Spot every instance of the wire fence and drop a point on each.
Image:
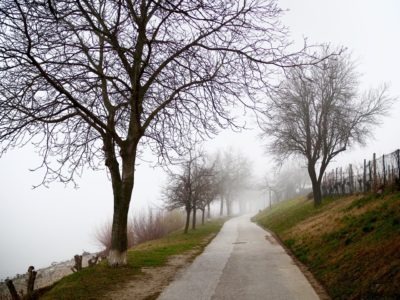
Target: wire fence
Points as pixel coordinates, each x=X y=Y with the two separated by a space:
x=374 y=175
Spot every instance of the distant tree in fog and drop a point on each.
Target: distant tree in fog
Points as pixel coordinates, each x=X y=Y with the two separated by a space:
x=192 y=187
x=287 y=182
x=233 y=175
x=317 y=113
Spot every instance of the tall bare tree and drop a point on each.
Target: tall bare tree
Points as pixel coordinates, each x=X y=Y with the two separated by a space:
x=317 y=113
x=204 y=189
x=177 y=194
x=94 y=82
x=233 y=172
x=193 y=187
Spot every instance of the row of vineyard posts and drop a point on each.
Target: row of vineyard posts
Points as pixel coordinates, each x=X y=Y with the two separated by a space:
x=375 y=175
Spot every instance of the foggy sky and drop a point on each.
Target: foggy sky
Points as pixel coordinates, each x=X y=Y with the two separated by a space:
x=44 y=225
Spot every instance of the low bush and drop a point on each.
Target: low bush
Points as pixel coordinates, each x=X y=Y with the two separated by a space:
x=142 y=228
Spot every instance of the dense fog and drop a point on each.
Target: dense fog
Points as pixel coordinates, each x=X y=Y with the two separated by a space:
x=43 y=225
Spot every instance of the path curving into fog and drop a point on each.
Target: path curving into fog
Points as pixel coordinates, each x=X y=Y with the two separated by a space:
x=242 y=262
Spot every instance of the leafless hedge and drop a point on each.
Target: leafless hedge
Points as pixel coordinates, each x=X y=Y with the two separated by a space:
x=145 y=227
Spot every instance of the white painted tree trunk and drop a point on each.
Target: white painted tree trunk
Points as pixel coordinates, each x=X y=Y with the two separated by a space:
x=117 y=258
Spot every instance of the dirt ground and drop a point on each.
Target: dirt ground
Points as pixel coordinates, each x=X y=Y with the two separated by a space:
x=154 y=280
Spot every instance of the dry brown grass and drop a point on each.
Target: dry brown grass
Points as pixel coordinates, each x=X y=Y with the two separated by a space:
x=330 y=219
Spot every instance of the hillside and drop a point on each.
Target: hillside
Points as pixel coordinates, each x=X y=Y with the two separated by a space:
x=350 y=244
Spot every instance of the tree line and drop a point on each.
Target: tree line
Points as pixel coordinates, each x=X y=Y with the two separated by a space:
x=202 y=179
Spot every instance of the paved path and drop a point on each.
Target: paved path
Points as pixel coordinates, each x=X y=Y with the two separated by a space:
x=242 y=262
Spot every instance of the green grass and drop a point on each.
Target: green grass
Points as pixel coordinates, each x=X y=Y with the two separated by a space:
x=287 y=214
x=93 y=283
x=351 y=245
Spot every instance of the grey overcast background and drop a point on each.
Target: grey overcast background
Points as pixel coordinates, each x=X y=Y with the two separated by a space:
x=44 y=225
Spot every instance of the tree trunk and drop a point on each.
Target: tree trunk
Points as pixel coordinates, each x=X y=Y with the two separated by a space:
x=221 y=209
x=228 y=205
x=30 y=282
x=122 y=190
x=187 y=219
x=208 y=211
x=203 y=212
x=317 y=193
x=316 y=185
x=194 y=217
x=119 y=236
x=12 y=290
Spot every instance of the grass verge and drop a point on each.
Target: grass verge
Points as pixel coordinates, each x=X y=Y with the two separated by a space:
x=93 y=283
x=350 y=244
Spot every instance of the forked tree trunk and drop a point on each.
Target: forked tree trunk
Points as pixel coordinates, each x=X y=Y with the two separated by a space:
x=317 y=193
x=122 y=191
x=316 y=185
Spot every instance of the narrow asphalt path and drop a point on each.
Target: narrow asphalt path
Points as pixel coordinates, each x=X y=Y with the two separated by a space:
x=242 y=262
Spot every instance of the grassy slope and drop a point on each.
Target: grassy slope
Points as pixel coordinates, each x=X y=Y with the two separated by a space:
x=351 y=245
x=92 y=283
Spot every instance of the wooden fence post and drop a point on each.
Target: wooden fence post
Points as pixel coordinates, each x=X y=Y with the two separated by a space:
x=365 y=176
x=350 y=179
x=398 y=163
x=384 y=171
x=31 y=281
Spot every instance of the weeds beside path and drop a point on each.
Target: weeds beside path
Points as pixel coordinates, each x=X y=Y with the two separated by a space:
x=99 y=282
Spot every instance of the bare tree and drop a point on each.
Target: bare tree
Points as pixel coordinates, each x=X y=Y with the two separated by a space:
x=179 y=191
x=192 y=188
x=177 y=195
x=93 y=82
x=287 y=181
x=317 y=113
x=232 y=175
x=204 y=189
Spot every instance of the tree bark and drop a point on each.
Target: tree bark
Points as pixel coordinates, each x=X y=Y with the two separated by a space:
x=31 y=282
x=122 y=190
x=316 y=185
x=221 y=208
x=208 y=211
x=78 y=263
x=228 y=205
x=194 y=217
x=203 y=212
x=119 y=235
x=187 y=220
x=12 y=290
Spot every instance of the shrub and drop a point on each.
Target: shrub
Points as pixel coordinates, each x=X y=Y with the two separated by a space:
x=142 y=228
x=103 y=236
x=155 y=225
